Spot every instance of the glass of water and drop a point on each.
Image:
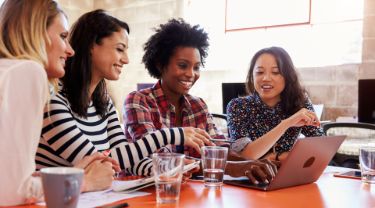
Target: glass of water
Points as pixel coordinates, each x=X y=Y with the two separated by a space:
x=214 y=159
x=367 y=163
x=167 y=169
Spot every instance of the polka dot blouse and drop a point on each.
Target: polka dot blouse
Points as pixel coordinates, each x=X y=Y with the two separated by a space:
x=249 y=118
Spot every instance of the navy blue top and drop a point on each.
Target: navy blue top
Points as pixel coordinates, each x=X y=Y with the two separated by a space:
x=250 y=118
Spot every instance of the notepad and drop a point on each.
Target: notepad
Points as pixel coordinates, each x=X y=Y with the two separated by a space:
x=135 y=185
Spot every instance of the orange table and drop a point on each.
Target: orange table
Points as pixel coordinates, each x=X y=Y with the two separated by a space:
x=328 y=191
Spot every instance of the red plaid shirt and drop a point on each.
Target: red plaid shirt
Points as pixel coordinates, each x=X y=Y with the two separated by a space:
x=148 y=110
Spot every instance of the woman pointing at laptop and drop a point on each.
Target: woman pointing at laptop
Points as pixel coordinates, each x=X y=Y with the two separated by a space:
x=266 y=123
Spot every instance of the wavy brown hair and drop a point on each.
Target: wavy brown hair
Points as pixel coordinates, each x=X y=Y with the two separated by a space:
x=293 y=96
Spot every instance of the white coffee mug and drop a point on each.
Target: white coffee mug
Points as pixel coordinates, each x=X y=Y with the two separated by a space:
x=62 y=186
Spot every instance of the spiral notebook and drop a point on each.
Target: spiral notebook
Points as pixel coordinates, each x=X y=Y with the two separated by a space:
x=135 y=185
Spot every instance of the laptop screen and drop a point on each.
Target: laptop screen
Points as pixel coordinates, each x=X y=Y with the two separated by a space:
x=366 y=100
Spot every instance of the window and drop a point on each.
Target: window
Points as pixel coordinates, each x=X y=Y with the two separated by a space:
x=333 y=35
x=250 y=14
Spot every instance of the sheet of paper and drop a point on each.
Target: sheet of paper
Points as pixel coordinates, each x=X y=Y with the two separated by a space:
x=132 y=186
x=318 y=108
x=100 y=198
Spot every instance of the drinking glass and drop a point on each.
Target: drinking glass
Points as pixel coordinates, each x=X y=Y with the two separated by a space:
x=367 y=163
x=167 y=169
x=214 y=160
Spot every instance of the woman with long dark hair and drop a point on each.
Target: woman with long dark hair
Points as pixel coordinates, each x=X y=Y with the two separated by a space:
x=267 y=122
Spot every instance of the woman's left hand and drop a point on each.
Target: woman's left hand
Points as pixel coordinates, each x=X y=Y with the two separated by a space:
x=303 y=117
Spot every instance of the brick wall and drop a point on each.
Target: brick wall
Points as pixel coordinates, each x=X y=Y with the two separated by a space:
x=335 y=86
x=367 y=68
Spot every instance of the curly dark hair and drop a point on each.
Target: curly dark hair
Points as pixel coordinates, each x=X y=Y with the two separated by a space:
x=293 y=96
x=175 y=33
x=89 y=29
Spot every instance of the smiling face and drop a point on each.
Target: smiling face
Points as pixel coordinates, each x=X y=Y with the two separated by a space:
x=109 y=56
x=182 y=71
x=59 y=48
x=268 y=81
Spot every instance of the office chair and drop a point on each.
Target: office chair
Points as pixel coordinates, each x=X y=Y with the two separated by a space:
x=230 y=91
x=366 y=101
x=220 y=121
x=358 y=134
x=144 y=85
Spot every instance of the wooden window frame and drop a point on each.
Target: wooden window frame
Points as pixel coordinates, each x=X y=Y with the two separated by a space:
x=291 y=23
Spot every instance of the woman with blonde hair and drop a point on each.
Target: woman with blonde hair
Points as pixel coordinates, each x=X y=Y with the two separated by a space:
x=33 y=49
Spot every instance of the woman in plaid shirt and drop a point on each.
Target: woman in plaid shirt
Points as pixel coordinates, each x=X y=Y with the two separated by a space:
x=174 y=56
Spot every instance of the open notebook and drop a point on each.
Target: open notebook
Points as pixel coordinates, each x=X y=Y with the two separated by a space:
x=135 y=185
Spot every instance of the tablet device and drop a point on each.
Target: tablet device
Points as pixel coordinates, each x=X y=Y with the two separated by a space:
x=354 y=174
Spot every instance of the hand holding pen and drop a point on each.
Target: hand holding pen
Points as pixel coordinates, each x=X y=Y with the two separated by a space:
x=196 y=138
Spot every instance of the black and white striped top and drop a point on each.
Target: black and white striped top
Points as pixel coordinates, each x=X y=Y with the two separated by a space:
x=66 y=138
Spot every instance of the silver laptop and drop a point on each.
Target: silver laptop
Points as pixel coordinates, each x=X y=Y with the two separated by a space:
x=304 y=164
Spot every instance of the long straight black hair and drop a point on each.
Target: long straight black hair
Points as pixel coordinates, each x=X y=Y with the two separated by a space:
x=89 y=29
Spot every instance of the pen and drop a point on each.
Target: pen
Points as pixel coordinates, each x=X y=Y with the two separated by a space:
x=192 y=158
x=120 y=174
x=117 y=205
x=222 y=140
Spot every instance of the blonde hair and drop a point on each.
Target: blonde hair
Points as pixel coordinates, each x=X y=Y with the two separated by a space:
x=23 y=28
